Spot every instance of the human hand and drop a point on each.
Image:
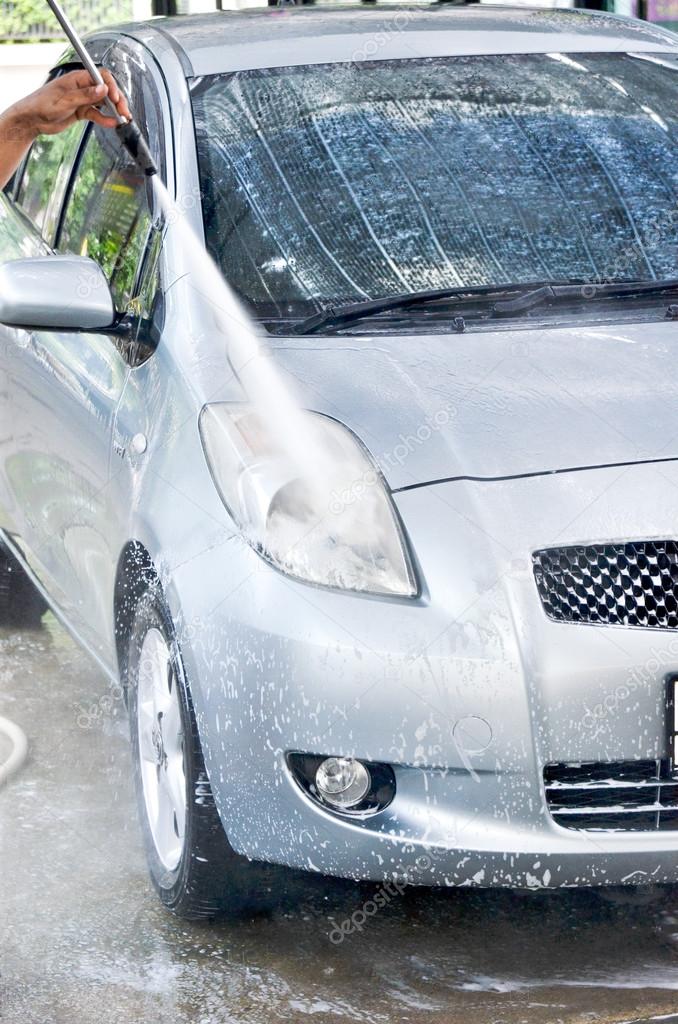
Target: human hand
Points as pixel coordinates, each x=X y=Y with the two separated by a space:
x=63 y=101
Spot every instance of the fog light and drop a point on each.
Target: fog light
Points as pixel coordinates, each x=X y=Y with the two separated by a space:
x=343 y=785
x=342 y=781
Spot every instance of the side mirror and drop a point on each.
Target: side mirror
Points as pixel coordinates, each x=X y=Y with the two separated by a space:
x=66 y=292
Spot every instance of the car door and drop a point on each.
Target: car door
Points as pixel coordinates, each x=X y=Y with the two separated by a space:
x=29 y=211
x=17 y=239
x=67 y=387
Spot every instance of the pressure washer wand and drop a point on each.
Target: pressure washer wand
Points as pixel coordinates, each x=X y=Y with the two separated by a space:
x=127 y=131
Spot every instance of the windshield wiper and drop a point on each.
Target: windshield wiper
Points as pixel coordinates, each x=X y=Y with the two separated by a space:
x=554 y=292
x=525 y=296
x=336 y=316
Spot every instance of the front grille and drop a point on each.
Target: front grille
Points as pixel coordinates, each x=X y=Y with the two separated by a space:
x=632 y=584
x=614 y=796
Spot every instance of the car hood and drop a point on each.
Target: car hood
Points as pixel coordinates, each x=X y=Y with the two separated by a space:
x=500 y=403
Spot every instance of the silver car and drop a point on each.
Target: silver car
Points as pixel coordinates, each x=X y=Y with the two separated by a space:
x=458 y=229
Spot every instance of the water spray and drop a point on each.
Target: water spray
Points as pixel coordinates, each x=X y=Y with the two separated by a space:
x=247 y=353
x=128 y=132
x=287 y=462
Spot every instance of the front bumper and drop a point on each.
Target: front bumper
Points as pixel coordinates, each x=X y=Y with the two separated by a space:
x=468 y=691
x=448 y=829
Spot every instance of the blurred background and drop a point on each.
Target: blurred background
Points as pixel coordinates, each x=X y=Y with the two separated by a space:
x=31 y=42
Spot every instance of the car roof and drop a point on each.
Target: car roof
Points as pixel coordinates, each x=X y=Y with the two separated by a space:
x=290 y=36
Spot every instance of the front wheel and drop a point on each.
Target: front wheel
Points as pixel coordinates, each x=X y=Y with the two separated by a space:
x=194 y=869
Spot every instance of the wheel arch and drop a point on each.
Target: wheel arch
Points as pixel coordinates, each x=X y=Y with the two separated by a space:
x=136 y=571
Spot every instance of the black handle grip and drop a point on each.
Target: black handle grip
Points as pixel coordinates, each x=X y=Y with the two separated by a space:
x=137 y=147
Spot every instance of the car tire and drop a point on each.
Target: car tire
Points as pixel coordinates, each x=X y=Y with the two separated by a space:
x=21 y=604
x=196 y=872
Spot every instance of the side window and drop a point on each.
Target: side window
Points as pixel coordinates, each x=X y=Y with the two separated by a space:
x=107 y=215
x=148 y=304
x=45 y=177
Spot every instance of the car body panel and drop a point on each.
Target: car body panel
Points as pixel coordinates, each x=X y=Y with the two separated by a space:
x=62 y=390
x=16 y=242
x=59 y=471
x=276 y=665
x=497 y=403
x=282 y=666
x=233 y=41
x=65 y=389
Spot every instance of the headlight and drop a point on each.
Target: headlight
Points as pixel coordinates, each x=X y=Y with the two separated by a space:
x=333 y=525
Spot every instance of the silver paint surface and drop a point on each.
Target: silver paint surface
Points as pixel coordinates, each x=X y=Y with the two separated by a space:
x=276 y=665
x=55 y=291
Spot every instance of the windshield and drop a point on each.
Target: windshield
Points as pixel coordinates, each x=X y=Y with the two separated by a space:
x=332 y=184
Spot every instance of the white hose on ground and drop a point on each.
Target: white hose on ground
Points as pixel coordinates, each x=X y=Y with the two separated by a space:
x=17 y=738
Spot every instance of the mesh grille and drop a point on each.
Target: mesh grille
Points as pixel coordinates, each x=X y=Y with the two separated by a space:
x=617 y=796
x=616 y=584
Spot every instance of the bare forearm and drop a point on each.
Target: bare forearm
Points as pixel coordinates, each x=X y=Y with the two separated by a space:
x=15 y=140
x=52 y=109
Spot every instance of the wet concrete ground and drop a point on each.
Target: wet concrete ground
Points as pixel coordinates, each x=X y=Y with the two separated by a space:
x=84 y=941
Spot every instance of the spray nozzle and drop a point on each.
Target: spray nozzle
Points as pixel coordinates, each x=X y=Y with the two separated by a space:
x=128 y=133
x=137 y=147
